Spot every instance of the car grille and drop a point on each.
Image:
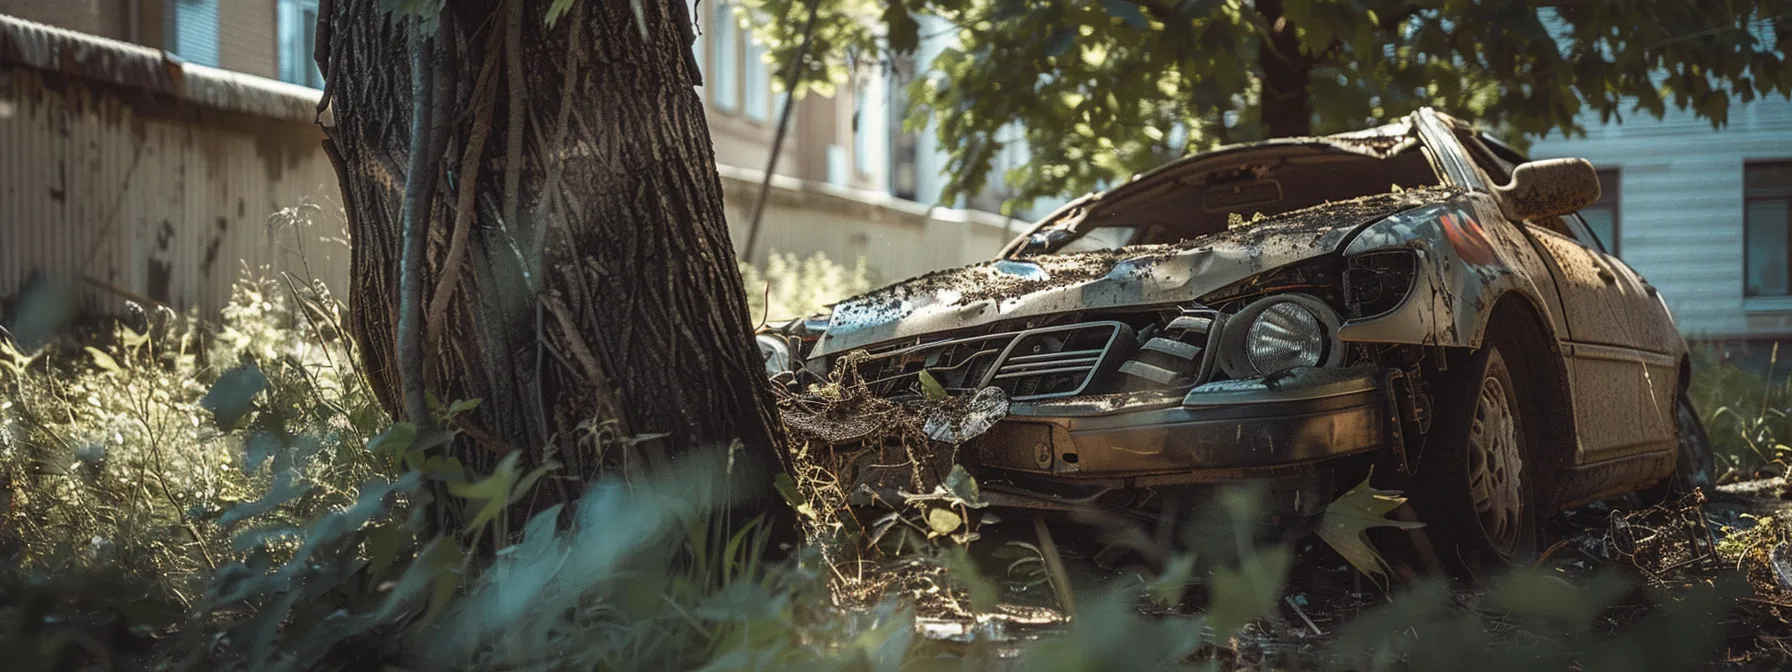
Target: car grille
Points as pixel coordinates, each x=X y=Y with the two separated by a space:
x=1039 y=363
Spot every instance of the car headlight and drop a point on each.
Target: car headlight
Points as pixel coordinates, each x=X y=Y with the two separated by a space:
x=775 y=352
x=1280 y=333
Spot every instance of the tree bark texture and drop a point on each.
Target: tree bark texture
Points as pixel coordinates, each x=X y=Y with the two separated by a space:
x=609 y=306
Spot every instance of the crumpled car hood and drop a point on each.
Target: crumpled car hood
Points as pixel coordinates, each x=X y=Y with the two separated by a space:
x=1142 y=275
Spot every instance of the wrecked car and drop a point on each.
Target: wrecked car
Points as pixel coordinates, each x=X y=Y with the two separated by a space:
x=1417 y=301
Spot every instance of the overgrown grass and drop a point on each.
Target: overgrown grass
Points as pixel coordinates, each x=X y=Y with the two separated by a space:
x=113 y=462
x=1747 y=412
x=231 y=498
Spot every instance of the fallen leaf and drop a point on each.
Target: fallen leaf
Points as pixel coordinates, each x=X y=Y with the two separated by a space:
x=1348 y=517
x=943 y=521
x=931 y=386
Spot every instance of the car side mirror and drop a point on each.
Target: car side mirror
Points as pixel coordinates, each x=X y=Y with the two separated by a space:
x=1548 y=188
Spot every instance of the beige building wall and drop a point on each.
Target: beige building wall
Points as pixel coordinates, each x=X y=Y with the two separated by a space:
x=167 y=203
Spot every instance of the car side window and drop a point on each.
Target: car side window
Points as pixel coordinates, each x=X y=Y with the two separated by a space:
x=1581 y=232
x=1496 y=170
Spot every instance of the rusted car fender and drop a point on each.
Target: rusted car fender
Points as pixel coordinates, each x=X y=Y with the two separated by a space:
x=1469 y=257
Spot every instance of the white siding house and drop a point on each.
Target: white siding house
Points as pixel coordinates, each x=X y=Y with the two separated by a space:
x=1702 y=213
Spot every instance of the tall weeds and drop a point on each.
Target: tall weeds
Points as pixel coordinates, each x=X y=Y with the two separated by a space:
x=180 y=497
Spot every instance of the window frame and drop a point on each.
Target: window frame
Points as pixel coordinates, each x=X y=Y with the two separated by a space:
x=1612 y=197
x=295 y=65
x=178 y=42
x=756 y=82
x=1782 y=195
x=723 y=78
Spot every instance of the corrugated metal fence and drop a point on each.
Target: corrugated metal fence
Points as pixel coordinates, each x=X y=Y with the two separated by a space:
x=155 y=180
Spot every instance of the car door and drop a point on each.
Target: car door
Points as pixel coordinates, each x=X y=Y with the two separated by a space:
x=1622 y=349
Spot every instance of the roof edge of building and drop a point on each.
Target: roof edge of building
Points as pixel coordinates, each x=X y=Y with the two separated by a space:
x=94 y=58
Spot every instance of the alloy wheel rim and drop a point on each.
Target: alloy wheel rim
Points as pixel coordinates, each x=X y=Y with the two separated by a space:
x=1495 y=466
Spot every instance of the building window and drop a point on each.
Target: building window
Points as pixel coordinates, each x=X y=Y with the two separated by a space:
x=298 y=34
x=861 y=129
x=1602 y=215
x=1766 y=219
x=904 y=146
x=192 y=30
x=726 y=96
x=757 y=86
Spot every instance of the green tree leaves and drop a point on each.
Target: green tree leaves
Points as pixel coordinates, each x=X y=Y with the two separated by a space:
x=1098 y=91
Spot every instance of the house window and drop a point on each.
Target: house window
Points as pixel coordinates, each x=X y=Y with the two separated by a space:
x=298 y=34
x=1766 y=219
x=861 y=128
x=758 y=83
x=726 y=95
x=192 y=30
x=1602 y=215
x=904 y=151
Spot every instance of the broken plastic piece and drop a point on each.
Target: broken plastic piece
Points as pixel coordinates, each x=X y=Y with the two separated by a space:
x=958 y=423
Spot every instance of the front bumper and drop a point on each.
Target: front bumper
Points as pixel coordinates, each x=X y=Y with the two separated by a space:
x=1106 y=450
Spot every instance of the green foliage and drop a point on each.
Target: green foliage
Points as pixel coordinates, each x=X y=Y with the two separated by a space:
x=114 y=474
x=143 y=528
x=790 y=287
x=1551 y=621
x=1745 y=410
x=1107 y=89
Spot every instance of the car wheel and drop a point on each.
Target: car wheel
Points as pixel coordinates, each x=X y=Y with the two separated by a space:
x=1694 y=466
x=1476 y=483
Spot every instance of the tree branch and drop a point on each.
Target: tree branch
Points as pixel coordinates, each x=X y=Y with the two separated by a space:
x=790 y=76
x=484 y=98
x=419 y=181
x=563 y=118
x=513 y=133
x=1393 y=21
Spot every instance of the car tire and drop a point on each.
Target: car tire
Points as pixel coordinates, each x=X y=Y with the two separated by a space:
x=1694 y=467
x=1475 y=488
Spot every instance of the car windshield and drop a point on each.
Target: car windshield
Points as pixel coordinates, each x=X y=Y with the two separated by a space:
x=1209 y=196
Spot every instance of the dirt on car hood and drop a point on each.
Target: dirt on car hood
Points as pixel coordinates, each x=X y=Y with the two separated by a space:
x=1142 y=275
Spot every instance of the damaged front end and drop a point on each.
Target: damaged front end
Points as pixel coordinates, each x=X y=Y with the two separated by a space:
x=1132 y=408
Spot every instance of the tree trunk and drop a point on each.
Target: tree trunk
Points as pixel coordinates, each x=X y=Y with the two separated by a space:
x=1285 y=106
x=599 y=297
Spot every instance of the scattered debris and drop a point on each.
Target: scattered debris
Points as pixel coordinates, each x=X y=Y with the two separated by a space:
x=1665 y=540
x=956 y=420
